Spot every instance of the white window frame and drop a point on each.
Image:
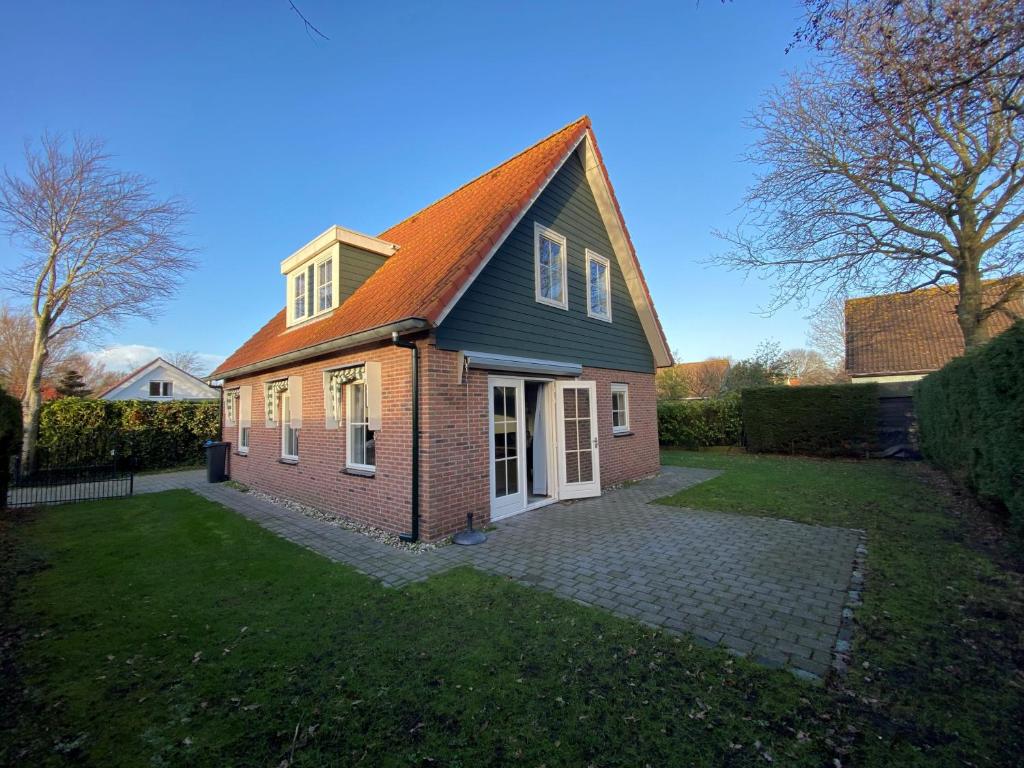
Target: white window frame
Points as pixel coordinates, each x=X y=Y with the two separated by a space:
x=243 y=438
x=320 y=285
x=591 y=312
x=351 y=422
x=284 y=408
x=165 y=384
x=539 y=231
x=624 y=390
x=299 y=295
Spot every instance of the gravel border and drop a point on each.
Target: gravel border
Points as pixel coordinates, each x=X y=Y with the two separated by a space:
x=377 y=534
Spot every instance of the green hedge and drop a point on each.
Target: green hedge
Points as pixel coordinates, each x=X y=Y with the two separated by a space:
x=152 y=435
x=699 y=423
x=828 y=420
x=971 y=420
x=10 y=438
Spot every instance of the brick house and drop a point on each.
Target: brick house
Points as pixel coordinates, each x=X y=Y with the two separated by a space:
x=902 y=337
x=507 y=323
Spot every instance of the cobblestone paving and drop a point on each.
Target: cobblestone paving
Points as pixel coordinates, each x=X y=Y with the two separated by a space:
x=771 y=589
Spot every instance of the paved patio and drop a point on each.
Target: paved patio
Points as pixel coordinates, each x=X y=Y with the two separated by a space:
x=772 y=589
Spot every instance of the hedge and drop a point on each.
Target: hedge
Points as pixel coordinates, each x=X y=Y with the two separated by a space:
x=151 y=435
x=10 y=438
x=971 y=420
x=699 y=423
x=826 y=420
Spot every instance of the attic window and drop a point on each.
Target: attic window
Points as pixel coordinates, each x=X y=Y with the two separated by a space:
x=312 y=289
x=549 y=252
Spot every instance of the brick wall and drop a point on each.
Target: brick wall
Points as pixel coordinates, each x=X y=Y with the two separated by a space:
x=454 y=447
x=319 y=477
x=631 y=456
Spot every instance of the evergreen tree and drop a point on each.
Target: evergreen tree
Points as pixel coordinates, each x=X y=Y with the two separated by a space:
x=72 y=385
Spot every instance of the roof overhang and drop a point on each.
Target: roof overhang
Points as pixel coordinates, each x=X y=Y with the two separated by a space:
x=334 y=235
x=374 y=335
x=493 y=362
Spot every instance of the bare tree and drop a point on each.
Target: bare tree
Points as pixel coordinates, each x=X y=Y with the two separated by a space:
x=188 y=361
x=17 y=334
x=890 y=167
x=808 y=366
x=98 y=246
x=826 y=333
x=949 y=52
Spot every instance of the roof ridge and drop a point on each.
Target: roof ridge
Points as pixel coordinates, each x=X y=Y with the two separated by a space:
x=582 y=119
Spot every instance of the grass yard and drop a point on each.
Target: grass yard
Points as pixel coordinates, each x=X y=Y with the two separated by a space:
x=166 y=630
x=939 y=651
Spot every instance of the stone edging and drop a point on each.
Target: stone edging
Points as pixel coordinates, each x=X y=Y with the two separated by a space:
x=854 y=599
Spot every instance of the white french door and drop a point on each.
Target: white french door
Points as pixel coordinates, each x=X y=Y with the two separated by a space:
x=579 y=466
x=508 y=441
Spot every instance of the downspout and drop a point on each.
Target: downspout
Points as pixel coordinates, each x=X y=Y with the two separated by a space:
x=414 y=534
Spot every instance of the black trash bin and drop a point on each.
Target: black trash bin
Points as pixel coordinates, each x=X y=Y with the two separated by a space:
x=216 y=461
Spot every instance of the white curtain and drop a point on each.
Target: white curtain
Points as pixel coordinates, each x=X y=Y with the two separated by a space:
x=540 y=444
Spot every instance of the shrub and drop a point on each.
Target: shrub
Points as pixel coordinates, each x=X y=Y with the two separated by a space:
x=971 y=420
x=827 y=420
x=151 y=435
x=699 y=423
x=10 y=438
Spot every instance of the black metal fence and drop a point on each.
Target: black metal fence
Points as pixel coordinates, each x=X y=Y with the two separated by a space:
x=62 y=482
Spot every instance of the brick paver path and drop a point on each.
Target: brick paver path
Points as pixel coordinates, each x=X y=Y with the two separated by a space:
x=772 y=589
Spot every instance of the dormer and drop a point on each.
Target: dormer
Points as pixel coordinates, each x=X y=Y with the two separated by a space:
x=328 y=269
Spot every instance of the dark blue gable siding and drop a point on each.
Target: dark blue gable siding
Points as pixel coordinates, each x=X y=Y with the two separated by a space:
x=498 y=313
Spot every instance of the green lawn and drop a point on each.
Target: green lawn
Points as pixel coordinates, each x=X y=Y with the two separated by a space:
x=166 y=630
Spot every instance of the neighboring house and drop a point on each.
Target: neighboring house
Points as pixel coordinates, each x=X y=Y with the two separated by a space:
x=160 y=382
x=535 y=342
x=901 y=337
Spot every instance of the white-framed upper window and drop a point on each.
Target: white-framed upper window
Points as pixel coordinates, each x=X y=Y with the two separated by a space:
x=599 y=287
x=312 y=289
x=325 y=285
x=360 y=438
x=289 y=435
x=620 y=408
x=160 y=389
x=550 y=267
x=299 y=295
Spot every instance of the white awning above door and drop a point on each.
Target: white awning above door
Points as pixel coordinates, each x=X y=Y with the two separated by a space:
x=491 y=361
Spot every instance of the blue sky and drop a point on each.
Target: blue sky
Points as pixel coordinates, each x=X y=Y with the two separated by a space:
x=273 y=136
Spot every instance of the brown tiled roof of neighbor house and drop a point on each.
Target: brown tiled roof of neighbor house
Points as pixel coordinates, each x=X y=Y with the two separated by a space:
x=439 y=249
x=917 y=332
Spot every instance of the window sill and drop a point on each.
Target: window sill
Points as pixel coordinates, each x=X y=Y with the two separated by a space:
x=241 y=453
x=283 y=460
x=356 y=472
x=623 y=433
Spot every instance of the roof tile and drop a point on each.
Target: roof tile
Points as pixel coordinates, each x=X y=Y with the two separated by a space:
x=439 y=248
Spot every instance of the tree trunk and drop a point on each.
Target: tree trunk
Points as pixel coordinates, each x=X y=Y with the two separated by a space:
x=31 y=403
x=970 y=307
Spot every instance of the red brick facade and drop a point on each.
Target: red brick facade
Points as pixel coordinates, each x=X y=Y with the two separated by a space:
x=454 y=447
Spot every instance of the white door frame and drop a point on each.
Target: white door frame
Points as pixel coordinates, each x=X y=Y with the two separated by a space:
x=509 y=504
x=519 y=502
x=591 y=487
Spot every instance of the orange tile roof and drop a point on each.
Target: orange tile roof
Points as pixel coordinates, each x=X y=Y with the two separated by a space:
x=439 y=248
x=913 y=332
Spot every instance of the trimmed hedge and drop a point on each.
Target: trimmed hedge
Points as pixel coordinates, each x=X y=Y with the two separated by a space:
x=10 y=438
x=826 y=420
x=151 y=435
x=971 y=420
x=699 y=423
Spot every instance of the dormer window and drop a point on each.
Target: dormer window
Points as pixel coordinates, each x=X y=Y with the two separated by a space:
x=313 y=284
x=299 y=304
x=325 y=285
